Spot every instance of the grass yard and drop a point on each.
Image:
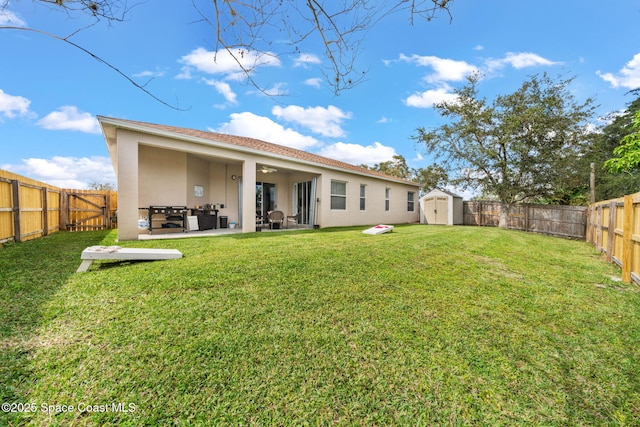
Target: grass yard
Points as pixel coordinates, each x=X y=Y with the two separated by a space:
x=422 y=326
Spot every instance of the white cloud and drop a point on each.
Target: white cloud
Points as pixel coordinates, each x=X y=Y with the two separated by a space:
x=263 y=128
x=223 y=89
x=445 y=69
x=11 y=19
x=314 y=82
x=356 y=154
x=67 y=172
x=519 y=61
x=278 y=89
x=150 y=74
x=323 y=121
x=384 y=119
x=12 y=106
x=430 y=97
x=628 y=76
x=70 y=118
x=222 y=62
x=305 y=59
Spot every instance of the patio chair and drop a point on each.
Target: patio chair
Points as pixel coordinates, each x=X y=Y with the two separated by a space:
x=294 y=219
x=276 y=219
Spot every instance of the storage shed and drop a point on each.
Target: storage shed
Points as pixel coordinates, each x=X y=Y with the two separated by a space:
x=441 y=207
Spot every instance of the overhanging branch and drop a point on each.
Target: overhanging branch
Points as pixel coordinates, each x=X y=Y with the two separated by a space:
x=97 y=58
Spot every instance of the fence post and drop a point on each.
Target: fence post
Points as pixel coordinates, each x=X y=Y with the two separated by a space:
x=15 y=190
x=599 y=220
x=627 y=239
x=107 y=210
x=64 y=211
x=611 y=233
x=589 y=223
x=45 y=211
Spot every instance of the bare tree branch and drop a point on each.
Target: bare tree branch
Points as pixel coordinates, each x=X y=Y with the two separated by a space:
x=99 y=59
x=100 y=10
x=248 y=30
x=340 y=27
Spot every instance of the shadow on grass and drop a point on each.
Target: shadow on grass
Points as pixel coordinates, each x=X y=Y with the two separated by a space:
x=30 y=275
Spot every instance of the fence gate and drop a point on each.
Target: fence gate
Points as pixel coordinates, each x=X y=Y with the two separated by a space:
x=85 y=210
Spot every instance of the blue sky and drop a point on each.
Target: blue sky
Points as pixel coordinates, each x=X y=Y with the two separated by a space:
x=51 y=93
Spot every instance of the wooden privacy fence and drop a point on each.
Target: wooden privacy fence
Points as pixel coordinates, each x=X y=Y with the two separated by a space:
x=84 y=210
x=555 y=220
x=614 y=229
x=30 y=209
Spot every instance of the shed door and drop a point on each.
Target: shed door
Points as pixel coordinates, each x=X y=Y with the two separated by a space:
x=442 y=211
x=428 y=208
x=436 y=210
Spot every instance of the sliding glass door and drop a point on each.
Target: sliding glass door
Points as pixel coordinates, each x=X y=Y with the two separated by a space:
x=303 y=201
x=265 y=198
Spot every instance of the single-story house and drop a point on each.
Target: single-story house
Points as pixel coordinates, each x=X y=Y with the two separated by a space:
x=244 y=178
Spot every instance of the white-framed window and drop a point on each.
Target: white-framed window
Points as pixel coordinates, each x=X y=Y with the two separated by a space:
x=363 y=197
x=411 y=196
x=387 y=199
x=338 y=195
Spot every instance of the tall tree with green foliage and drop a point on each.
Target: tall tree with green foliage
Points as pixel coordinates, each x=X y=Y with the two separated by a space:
x=611 y=185
x=431 y=177
x=627 y=154
x=517 y=148
x=397 y=167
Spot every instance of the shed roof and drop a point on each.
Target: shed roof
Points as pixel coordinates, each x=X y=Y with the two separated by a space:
x=238 y=143
x=441 y=191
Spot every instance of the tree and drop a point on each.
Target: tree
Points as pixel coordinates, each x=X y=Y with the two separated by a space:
x=610 y=185
x=519 y=148
x=431 y=177
x=627 y=154
x=243 y=29
x=397 y=167
x=102 y=186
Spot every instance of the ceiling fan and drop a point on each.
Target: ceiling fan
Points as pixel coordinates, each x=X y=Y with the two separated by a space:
x=267 y=169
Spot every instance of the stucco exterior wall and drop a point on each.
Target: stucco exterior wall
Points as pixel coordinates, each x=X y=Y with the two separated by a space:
x=128 y=189
x=197 y=175
x=374 y=212
x=162 y=177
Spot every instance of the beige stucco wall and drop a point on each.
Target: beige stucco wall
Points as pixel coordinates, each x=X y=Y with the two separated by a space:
x=127 y=157
x=374 y=212
x=162 y=177
x=197 y=175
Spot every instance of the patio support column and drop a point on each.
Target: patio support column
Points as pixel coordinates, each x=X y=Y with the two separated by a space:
x=249 y=196
x=127 y=186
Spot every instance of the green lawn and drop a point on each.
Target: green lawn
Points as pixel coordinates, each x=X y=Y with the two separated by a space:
x=422 y=326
